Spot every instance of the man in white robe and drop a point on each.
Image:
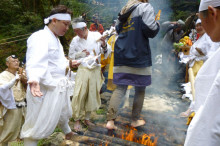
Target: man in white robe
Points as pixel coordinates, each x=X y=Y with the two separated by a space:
x=49 y=90
x=200 y=51
x=12 y=105
x=204 y=130
x=87 y=48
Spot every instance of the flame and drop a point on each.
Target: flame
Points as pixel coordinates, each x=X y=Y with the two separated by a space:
x=145 y=138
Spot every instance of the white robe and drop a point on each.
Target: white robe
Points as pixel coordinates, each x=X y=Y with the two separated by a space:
x=6 y=94
x=204 y=130
x=205 y=44
x=46 y=63
x=86 y=96
x=78 y=45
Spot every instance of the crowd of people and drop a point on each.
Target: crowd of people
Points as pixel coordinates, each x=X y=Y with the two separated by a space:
x=51 y=88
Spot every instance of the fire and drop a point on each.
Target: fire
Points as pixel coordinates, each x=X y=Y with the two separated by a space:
x=144 y=139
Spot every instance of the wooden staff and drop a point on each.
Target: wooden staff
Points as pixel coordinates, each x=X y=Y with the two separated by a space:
x=199 y=51
x=112 y=140
x=192 y=81
x=158 y=15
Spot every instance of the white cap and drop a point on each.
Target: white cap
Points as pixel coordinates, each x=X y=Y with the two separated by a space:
x=198 y=21
x=205 y=3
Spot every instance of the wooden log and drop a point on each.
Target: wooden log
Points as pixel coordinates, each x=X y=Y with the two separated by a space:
x=88 y=140
x=171 y=134
x=120 y=133
x=71 y=143
x=112 y=140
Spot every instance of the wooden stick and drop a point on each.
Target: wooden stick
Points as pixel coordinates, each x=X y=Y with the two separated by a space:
x=192 y=81
x=88 y=140
x=112 y=140
x=158 y=15
x=111 y=134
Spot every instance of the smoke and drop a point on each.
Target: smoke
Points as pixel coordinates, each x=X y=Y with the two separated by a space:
x=167 y=72
x=164 y=75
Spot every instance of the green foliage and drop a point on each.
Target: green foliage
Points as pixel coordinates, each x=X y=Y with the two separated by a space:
x=43 y=142
x=23 y=17
x=183 y=9
x=19 y=18
x=101 y=112
x=181 y=15
x=16 y=143
x=57 y=129
x=47 y=141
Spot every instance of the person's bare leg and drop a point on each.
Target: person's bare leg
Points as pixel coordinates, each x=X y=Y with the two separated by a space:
x=111 y=125
x=115 y=101
x=77 y=126
x=126 y=103
x=186 y=113
x=137 y=107
x=87 y=121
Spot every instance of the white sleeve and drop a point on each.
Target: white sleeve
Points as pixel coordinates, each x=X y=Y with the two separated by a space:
x=150 y=25
x=74 y=51
x=9 y=84
x=37 y=57
x=6 y=95
x=149 y=17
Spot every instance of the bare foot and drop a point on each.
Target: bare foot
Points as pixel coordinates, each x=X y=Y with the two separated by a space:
x=77 y=126
x=138 y=123
x=186 y=113
x=89 y=123
x=69 y=135
x=110 y=125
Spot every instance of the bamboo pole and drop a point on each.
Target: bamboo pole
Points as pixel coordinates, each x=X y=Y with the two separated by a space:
x=192 y=81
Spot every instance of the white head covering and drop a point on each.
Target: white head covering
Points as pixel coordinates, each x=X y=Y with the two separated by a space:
x=198 y=21
x=78 y=25
x=205 y=3
x=59 y=16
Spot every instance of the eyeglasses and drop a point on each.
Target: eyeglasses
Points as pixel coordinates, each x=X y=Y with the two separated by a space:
x=13 y=61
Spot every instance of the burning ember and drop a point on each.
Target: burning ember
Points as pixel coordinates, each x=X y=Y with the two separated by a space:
x=149 y=140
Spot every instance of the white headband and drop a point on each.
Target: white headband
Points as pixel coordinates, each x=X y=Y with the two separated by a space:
x=79 y=25
x=60 y=16
x=205 y=3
